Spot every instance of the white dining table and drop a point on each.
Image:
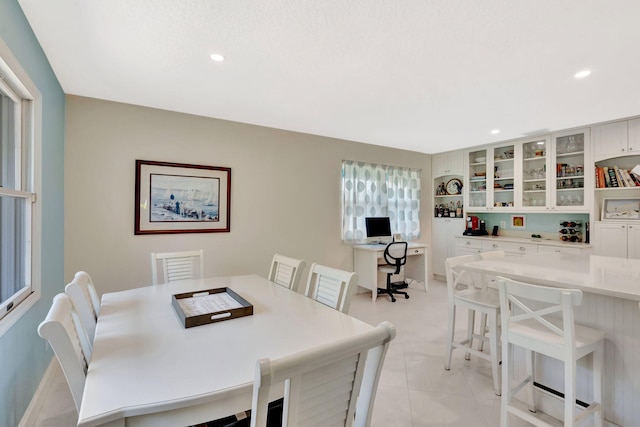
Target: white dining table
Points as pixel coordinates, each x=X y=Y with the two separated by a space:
x=147 y=369
x=611 y=291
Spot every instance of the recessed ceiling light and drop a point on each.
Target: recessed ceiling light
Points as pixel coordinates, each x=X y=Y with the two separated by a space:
x=582 y=74
x=495 y=131
x=217 y=57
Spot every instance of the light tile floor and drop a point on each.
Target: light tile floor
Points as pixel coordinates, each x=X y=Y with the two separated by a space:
x=414 y=389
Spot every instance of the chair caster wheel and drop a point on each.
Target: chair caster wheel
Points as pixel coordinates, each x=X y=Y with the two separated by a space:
x=406 y=296
x=393 y=300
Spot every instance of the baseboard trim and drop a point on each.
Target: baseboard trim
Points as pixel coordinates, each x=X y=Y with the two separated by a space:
x=37 y=401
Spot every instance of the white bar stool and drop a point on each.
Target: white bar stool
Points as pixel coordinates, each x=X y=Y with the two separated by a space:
x=525 y=311
x=474 y=300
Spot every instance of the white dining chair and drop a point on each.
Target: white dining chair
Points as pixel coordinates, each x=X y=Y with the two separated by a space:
x=286 y=271
x=331 y=286
x=176 y=266
x=331 y=385
x=63 y=330
x=85 y=300
x=474 y=300
x=540 y=319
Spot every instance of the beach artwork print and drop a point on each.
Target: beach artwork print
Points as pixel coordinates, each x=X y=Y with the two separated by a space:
x=621 y=209
x=176 y=198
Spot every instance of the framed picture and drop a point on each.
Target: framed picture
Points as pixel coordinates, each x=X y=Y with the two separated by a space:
x=620 y=209
x=181 y=198
x=518 y=221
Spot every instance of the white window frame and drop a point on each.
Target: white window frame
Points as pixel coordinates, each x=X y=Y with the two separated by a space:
x=16 y=84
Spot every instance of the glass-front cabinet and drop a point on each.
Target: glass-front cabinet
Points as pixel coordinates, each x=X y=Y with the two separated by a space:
x=535 y=158
x=570 y=155
x=544 y=173
x=502 y=190
x=492 y=178
x=478 y=180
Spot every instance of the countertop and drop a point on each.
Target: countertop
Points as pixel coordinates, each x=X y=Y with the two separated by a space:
x=537 y=241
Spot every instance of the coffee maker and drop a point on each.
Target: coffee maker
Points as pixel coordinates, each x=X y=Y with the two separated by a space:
x=475 y=227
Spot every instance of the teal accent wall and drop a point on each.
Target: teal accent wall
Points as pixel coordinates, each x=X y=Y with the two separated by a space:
x=23 y=354
x=535 y=222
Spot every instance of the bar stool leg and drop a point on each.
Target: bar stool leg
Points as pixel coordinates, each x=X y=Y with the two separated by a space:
x=451 y=327
x=531 y=371
x=493 y=344
x=598 y=364
x=483 y=329
x=569 y=391
x=507 y=375
x=470 y=328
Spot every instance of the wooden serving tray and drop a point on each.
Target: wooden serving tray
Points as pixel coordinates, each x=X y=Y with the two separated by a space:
x=210 y=306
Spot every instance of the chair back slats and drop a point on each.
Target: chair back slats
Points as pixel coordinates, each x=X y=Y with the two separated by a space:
x=85 y=301
x=332 y=385
x=286 y=271
x=178 y=269
x=64 y=332
x=324 y=394
x=331 y=287
x=177 y=266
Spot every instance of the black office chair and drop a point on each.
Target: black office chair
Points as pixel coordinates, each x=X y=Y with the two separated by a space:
x=395 y=255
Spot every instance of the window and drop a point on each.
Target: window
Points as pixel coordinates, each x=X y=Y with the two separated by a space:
x=16 y=190
x=379 y=190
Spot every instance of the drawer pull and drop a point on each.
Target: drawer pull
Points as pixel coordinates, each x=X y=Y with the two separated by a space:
x=494 y=246
x=522 y=248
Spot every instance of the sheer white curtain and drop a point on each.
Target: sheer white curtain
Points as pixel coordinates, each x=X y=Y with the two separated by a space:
x=379 y=190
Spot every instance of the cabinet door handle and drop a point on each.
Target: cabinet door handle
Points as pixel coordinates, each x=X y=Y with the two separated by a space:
x=624 y=226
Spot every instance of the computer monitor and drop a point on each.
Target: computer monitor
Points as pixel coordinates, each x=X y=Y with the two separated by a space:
x=378 y=229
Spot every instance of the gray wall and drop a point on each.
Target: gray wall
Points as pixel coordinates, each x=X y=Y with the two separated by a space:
x=23 y=354
x=285 y=194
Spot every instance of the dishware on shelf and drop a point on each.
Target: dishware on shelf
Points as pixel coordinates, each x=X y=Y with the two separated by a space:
x=480 y=159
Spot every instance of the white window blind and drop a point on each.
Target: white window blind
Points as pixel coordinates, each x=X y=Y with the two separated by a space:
x=374 y=190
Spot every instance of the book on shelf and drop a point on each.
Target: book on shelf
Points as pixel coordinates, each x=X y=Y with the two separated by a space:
x=613 y=176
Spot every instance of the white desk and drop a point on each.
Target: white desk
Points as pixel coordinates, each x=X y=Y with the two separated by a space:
x=611 y=288
x=366 y=259
x=148 y=370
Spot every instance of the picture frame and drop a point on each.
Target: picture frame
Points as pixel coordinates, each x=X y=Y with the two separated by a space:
x=518 y=221
x=620 y=209
x=181 y=198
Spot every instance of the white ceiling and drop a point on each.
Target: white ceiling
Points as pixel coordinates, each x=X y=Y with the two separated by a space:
x=423 y=75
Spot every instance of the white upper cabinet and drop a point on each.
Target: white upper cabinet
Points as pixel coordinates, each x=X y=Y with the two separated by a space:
x=450 y=163
x=616 y=139
x=571 y=188
x=536 y=174
x=610 y=140
x=634 y=137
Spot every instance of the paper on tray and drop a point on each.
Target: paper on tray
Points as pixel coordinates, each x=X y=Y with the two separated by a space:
x=211 y=303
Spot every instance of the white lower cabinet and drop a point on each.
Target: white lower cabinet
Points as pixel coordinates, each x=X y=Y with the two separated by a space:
x=509 y=248
x=443 y=241
x=617 y=239
x=561 y=249
x=468 y=246
x=516 y=247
